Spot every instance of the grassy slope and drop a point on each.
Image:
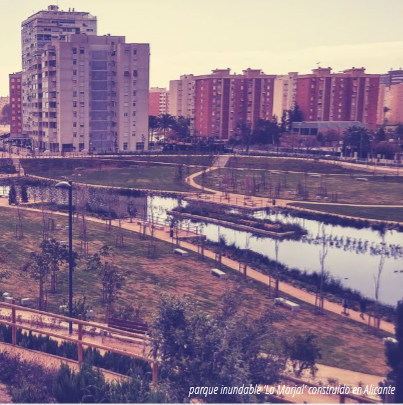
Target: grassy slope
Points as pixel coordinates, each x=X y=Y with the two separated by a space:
x=116 y=173
x=297 y=165
x=379 y=213
x=377 y=190
x=170 y=274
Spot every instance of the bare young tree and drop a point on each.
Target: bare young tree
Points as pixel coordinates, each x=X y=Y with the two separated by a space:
x=322 y=256
x=44 y=263
x=112 y=278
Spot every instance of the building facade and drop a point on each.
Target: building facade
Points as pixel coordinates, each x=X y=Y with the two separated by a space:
x=285 y=91
x=158 y=101
x=15 y=80
x=82 y=91
x=218 y=103
x=348 y=96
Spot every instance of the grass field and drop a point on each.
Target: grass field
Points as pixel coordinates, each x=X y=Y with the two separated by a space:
x=196 y=160
x=378 y=189
x=169 y=273
x=116 y=173
x=379 y=213
x=289 y=164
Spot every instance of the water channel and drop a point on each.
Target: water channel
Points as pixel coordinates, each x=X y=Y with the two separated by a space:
x=353 y=254
x=355 y=262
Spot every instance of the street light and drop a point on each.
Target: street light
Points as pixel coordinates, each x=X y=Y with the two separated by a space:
x=69 y=185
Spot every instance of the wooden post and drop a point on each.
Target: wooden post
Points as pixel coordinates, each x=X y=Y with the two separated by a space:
x=14 y=326
x=155 y=373
x=342 y=399
x=80 y=338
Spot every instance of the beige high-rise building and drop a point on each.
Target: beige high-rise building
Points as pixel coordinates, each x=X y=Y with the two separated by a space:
x=285 y=89
x=82 y=91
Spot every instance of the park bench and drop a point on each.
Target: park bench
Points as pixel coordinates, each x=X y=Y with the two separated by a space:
x=287 y=304
x=181 y=252
x=218 y=273
x=159 y=227
x=8 y=300
x=361 y=179
x=25 y=302
x=128 y=326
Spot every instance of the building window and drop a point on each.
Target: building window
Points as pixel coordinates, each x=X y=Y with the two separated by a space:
x=82 y=51
x=139 y=146
x=74 y=103
x=125 y=146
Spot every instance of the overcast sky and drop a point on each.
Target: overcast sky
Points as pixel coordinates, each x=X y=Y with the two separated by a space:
x=277 y=36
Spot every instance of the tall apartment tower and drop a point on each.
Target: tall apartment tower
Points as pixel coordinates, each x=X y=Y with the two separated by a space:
x=38 y=31
x=348 y=96
x=15 y=104
x=82 y=91
x=285 y=92
x=182 y=97
x=159 y=101
x=217 y=103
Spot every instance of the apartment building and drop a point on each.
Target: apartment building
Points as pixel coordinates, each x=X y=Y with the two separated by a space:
x=285 y=91
x=82 y=91
x=182 y=97
x=158 y=101
x=351 y=95
x=15 y=80
x=217 y=103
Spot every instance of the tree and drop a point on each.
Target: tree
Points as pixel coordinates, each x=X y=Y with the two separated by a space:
x=24 y=193
x=198 y=349
x=394 y=356
x=111 y=277
x=244 y=132
x=303 y=352
x=48 y=261
x=294 y=115
x=357 y=140
x=266 y=132
x=387 y=149
x=12 y=195
x=182 y=127
x=153 y=124
x=5 y=114
x=166 y=122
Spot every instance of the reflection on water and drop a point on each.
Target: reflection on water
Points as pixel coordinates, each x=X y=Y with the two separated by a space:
x=352 y=254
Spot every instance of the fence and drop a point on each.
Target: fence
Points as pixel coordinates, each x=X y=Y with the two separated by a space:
x=134 y=338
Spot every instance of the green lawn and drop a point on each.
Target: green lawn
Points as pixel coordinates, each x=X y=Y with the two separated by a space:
x=289 y=164
x=147 y=278
x=116 y=173
x=378 y=189
x=381 y=213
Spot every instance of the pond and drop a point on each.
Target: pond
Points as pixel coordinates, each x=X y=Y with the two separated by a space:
x=353 y=254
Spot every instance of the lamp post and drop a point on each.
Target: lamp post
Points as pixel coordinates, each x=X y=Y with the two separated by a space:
x=69 y=186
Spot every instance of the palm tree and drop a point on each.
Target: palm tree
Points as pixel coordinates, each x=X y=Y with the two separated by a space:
x=166 y=121
x=153 y=123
